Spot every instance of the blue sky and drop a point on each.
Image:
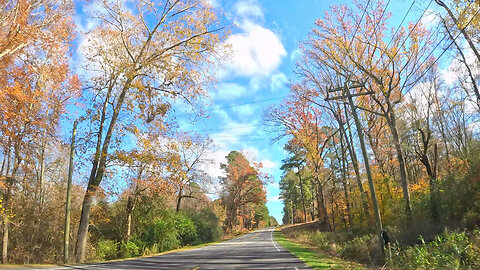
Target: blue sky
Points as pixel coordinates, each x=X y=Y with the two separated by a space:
x=265 y=42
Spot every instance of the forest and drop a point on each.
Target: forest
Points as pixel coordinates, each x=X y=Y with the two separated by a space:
x=380 y=140
x=144 y=188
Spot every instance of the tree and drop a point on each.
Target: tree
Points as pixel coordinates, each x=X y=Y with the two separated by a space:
x=241 y=186
x=146 y=55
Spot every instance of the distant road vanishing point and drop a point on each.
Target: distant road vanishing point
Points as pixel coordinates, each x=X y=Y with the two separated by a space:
x=256 y=250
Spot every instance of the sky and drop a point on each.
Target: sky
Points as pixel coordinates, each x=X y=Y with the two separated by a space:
x=264 y=39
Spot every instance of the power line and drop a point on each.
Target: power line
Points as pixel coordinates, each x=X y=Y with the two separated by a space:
x=440 y=56
x=222 y=129
x=234 y=105
x=411 y=30
x=239 y=140
x=358 y=25
x=400 y=25
x=239 y=135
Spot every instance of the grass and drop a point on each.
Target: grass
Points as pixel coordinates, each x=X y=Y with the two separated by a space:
x=312 y=258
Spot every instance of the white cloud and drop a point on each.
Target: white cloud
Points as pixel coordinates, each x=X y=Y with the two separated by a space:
x=229 y=91
x=256 y=51
x=244 y=110
x=268 y=164
x=214 y=3
x=277 y=81
x=430 y=19
x=248 y=9
x=295 y=54
x=273 y=198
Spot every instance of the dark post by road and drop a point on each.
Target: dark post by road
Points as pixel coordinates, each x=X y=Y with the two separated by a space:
x=69 y=188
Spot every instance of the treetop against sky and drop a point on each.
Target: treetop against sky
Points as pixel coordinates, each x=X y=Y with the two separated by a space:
x=264 y=49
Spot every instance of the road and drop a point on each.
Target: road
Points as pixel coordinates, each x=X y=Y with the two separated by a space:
x=256 y=250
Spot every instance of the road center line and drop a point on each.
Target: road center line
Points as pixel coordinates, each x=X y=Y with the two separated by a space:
x=271 y=238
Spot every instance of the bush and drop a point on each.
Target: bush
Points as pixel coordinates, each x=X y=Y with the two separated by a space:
x=207 y=226
x=107 y=250
x=168 y=232
x=186 y=230
x=359 y=249
x=129 y=249
x=320 y=240
x=447 y=251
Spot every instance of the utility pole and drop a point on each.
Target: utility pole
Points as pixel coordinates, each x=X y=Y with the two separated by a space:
x=69 y=189
x=347 y=95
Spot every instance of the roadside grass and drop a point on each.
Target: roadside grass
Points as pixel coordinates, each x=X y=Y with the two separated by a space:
x=311 y=258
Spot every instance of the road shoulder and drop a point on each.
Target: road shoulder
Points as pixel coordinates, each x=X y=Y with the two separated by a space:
x=312 y=258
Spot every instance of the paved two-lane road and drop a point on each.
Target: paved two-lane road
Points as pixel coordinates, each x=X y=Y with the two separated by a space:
x=256 y=250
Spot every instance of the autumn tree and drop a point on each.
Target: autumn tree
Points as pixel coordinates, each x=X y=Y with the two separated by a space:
x=242 y=185
x=143 y=57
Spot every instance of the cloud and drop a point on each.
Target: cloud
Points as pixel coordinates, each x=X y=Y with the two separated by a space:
x=277 y=81
x=243 y=111
x=248 y=9
x=273 y=198
x=256 y=50
x=430 y=19
x=229 y=91
x=295 y=54
x=268 y=164
x=214 y=3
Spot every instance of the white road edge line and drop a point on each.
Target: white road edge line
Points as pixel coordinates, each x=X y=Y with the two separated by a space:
x=271 y=238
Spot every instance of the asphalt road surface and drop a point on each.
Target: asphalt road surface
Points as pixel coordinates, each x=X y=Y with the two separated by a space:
x=256 y=250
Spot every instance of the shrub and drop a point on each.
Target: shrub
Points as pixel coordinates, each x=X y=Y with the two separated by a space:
x=186 y=230
x=129 y=249
x=447 y=251
x=207 y=226
x=358 y=249
x=107 y=250
x=320 y=240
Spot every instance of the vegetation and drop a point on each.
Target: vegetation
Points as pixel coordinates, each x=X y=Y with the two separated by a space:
x=379 y=142
x=312 y=258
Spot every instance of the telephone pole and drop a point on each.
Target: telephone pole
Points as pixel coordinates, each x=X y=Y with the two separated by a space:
x=69 y=189
x=347 y=95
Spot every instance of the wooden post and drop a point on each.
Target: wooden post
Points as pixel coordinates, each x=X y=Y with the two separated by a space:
x=69 y=188
x=378 y=218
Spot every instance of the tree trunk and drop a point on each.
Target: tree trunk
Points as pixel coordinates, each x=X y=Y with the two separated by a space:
x=130 y=207
x=324 y=207
x=345 y=180
x=302 y=195
x=84 y=222
x=401 y=164
x=96 y=175
x=356 y=168
x=66 y=238
x=5 y=241
x=179 y=199
x=317 y=197
x=38 y=188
